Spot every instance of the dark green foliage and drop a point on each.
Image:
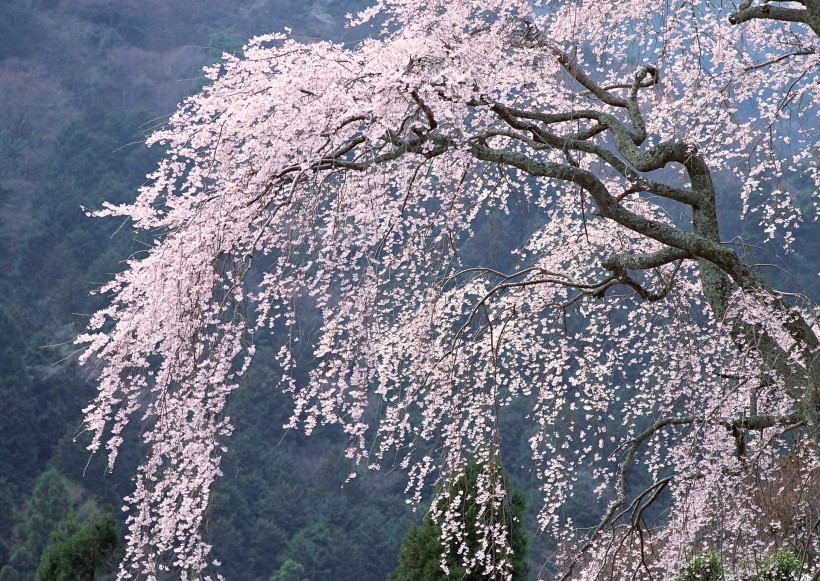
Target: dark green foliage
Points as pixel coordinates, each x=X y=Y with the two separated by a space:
x=419 y=556
x=421 y=550
x=223 y=40
x=312 y=546
x=518 y=504
x=290 y=571
x=47 y=507
x=92 y=162
x=77 y=550
x=19 y=456
x=9 y=572
x=290 y=501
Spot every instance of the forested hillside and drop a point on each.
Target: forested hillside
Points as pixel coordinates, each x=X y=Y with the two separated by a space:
x=82 y=82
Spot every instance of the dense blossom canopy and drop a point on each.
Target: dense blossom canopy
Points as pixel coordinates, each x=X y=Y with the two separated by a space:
x=349 y=179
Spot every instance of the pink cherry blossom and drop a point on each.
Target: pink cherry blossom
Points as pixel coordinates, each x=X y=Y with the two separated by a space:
x=351 y=178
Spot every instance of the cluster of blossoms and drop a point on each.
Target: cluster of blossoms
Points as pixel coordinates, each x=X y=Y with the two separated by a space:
x=350 y=180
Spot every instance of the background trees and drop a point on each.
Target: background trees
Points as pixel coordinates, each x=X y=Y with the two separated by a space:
x=79 y=550
x=78 y=81
x=46 y=509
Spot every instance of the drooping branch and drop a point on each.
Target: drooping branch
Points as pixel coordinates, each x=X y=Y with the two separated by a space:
x=615 y=510
x=722 y=271
x=309 y=172
x=621 y=479
x=720 y=267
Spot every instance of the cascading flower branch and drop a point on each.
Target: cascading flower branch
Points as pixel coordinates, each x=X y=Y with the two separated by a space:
x=353 y=179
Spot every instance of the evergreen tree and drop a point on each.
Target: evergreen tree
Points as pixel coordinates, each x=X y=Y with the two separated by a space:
x=421 y=549
x=47 y=507
x=290 y=571
x=78 y=550
x=310 y=548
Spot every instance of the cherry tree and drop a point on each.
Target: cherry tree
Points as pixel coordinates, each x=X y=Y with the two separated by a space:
x=351 y=178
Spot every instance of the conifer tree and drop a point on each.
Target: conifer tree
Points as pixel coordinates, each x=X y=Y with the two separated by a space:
x=423 y=553
x=78 y=550
x=47 y=507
